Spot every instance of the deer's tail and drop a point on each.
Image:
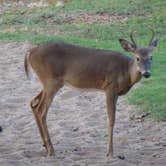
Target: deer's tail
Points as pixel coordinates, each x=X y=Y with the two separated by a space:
x=27 y=65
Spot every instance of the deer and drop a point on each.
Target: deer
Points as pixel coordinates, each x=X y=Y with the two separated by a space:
x=112 y=72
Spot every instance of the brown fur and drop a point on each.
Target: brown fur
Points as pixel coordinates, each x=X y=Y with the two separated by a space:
x=58 y=63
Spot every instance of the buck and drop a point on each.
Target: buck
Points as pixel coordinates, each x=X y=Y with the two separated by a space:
x=57 y=63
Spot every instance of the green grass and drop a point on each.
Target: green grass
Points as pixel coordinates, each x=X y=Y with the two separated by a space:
x=38 y=25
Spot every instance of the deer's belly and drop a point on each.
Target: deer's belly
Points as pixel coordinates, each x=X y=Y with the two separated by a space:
x=86 y=84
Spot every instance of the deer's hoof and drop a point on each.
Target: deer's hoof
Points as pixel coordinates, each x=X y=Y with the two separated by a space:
x=109 y=155
x=0 y=129
x=51 y=152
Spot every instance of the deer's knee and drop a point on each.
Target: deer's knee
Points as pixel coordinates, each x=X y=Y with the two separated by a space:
x=112 y=123
x=36 y=100
x=34 y=103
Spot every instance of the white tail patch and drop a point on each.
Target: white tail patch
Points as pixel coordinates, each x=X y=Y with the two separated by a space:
x=31 y=74
x=33 y=77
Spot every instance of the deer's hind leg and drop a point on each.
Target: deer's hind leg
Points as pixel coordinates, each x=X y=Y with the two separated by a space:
x=35 y=102
x=40 y=105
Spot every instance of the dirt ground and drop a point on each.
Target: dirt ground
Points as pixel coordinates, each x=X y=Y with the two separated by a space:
x=77 y=122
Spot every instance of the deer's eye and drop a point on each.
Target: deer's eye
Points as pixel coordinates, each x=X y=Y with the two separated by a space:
x=138 y=58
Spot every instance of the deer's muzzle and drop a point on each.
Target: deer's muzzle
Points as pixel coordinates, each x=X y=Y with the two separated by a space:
x=146 y=74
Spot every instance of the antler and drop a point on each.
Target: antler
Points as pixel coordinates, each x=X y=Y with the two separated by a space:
x=132 y=38
x=153 y=33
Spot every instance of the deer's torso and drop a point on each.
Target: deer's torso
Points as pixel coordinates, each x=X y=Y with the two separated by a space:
x=84 y=67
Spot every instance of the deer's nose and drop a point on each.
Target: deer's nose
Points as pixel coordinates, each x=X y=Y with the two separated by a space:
x=146 y=74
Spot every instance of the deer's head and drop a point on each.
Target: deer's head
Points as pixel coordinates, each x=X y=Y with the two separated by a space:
x=143 y=55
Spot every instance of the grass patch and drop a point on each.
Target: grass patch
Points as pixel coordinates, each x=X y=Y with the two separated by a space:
x=62 y=24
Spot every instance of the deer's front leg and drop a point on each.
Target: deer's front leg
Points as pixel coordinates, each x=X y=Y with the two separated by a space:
x=111 y=109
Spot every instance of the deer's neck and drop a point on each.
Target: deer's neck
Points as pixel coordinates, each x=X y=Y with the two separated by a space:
x=135 y=75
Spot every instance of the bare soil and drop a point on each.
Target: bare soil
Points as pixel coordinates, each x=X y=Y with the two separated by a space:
x=77 y=122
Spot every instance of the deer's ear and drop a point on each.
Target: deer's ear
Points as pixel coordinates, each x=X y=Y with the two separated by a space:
x=127 y=46
x=154 y=43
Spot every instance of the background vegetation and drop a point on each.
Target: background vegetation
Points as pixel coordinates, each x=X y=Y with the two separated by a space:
x=99 y=24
